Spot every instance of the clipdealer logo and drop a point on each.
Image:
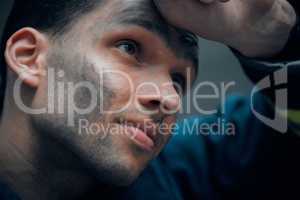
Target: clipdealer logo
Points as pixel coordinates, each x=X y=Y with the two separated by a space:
x=277 y=83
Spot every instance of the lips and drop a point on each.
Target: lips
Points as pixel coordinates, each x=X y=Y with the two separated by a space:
x=142 y=134
x=141 y=138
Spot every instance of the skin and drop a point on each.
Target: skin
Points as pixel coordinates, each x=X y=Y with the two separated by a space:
x=36 y=171
x=256 y=28
x=43 y=158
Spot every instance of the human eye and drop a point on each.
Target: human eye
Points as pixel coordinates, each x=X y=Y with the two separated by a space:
x=129 y=47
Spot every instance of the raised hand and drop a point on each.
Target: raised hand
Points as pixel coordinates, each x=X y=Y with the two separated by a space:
x=254 y=27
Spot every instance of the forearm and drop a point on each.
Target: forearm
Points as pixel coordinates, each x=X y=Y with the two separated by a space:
x=269 y=35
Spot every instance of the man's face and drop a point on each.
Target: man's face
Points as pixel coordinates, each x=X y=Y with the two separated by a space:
x=135 y=62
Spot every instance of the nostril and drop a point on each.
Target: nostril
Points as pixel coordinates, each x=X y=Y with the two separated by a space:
x=153 y=104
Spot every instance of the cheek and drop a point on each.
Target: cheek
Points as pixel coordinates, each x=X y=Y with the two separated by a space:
x=123 y=85
x=117 y=76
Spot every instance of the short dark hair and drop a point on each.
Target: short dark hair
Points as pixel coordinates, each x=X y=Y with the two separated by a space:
x=52 y=16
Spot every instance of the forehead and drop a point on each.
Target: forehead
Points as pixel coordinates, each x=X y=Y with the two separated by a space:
x=143 y=13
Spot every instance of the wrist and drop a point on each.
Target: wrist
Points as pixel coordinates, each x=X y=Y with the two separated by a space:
x=267 y=36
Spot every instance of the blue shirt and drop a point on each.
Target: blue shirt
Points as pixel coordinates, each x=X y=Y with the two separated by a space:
x=255 y=163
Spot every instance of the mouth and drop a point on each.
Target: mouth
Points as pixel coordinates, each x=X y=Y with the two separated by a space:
x=143 y=135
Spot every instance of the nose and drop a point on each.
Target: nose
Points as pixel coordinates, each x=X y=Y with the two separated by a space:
x=166 y=100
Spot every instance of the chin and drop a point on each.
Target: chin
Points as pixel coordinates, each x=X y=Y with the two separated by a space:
x=119 y=175
x=118 y=169
x=128 y=179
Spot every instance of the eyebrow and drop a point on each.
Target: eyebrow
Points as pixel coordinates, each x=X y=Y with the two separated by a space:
x=146 y=16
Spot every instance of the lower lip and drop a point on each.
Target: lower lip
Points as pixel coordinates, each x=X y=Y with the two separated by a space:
x=140 y=138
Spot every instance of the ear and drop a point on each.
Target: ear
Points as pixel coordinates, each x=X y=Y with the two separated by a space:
x=25 y=55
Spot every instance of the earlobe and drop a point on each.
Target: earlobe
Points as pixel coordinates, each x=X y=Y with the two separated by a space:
x=25 y=55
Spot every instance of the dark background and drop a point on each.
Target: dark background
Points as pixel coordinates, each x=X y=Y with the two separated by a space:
x=217 y=64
